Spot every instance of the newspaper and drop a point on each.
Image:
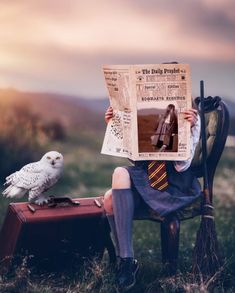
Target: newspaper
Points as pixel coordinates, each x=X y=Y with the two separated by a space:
x=147 y=102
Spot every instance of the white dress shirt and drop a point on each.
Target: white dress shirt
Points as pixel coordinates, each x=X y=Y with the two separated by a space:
x=181 y=166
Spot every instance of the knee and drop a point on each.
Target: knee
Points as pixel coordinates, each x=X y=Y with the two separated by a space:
x=120 y=172
x=108 y=204
x=121 y=178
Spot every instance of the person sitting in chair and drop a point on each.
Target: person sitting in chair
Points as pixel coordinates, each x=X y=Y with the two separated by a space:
x=135 y=188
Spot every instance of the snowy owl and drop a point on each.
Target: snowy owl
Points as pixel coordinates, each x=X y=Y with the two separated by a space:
x=35 y=178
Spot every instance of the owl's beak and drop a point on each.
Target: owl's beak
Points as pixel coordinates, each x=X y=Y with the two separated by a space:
x=53 y=162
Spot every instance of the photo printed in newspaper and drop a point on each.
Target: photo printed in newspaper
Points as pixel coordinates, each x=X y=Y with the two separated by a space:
x=153 y=97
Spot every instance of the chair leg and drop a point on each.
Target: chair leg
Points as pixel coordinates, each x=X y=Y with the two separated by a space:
x=170 y=229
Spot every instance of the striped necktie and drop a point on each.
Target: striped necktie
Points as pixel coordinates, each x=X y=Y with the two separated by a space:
x=157 y=175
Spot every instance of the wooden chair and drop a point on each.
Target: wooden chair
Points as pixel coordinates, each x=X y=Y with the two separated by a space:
x=217 y=121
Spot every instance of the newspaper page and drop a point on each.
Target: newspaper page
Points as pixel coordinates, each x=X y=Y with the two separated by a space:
x=148 y=103
x=117 y=141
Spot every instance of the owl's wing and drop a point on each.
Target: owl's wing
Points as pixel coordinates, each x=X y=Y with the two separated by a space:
x=29 y=168
x=35 y=167
x=27 y=180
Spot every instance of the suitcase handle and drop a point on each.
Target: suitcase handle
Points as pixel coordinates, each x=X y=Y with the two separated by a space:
x=62 y=200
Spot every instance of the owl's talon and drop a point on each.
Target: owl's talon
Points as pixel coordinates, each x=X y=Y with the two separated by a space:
x=41 y=201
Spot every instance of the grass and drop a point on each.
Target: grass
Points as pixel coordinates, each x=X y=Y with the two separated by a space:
x=87 y=173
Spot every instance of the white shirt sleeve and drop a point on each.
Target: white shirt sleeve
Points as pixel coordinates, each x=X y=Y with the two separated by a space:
x=181 y=166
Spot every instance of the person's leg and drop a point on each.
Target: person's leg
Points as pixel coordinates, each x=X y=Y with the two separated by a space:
x=123 y=210
x=119 y=207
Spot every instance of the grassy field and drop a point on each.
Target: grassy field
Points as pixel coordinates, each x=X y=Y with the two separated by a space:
x=87 y=173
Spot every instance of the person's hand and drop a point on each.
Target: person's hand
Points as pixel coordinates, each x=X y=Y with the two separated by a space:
x=191 y=116
x=108 y=114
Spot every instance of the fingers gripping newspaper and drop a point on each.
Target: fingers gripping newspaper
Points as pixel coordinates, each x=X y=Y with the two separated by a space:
x=148 y=102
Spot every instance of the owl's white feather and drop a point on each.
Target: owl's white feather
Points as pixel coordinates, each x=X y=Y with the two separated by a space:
x=35 y=178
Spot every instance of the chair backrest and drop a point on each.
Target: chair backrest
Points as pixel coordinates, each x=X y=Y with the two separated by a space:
x=217 y=124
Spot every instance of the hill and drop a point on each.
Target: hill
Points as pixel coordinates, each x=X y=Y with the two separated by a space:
x=72 y=112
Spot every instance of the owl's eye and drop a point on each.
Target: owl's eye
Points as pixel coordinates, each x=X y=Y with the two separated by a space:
x=48 y=158
x=57 y=158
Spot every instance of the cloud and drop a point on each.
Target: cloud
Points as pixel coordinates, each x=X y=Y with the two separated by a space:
x=225 y=7
x=116 y=27
x=53 y=42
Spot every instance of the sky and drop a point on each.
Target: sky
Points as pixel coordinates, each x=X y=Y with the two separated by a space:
x=60 y=45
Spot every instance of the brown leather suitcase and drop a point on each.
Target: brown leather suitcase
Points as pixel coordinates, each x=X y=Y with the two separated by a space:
x=57 y=236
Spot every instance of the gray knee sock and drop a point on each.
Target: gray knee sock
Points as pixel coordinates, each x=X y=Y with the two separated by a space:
x=123 y=208
x=113 y=232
